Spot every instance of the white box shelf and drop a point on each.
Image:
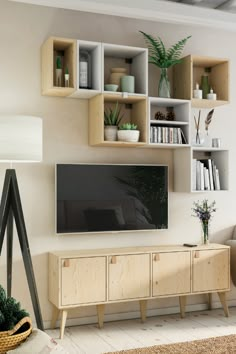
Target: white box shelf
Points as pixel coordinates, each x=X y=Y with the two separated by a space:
x=94 y=50
x=181 y=111
x=185 y=172
x=134 y=59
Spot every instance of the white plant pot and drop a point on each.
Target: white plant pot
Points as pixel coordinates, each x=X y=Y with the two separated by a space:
x=128 y=135
x=110 y=132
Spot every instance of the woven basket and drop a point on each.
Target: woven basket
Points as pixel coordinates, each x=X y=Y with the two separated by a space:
x=12 y=338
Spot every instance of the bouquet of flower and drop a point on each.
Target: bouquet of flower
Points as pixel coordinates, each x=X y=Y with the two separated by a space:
x=204 y=212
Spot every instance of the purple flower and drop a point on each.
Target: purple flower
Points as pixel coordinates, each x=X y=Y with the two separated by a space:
x=204 y=210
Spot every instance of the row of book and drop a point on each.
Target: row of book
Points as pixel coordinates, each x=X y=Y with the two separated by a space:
x=205 y=175
x=167 y=135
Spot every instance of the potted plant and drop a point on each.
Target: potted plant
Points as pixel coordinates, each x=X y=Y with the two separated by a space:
x=128 y=132
x=58 y=72
x=15 y=324
x=164 y=58
x=112 y=118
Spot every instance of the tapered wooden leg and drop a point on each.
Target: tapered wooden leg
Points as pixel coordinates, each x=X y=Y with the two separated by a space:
x=143 y=307
x=182 y=303
x=209 y=301
x=222 y=297
x=55 y=315
x=63 y=323
x=100 y=314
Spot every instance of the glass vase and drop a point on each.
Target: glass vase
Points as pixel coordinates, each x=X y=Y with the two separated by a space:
x=205 y=232
x=164 y=84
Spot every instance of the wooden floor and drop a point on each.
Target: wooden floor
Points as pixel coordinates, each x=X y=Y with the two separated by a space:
x=157 y=330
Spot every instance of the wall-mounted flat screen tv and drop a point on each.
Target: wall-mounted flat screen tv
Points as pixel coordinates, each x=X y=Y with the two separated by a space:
x=111 y=198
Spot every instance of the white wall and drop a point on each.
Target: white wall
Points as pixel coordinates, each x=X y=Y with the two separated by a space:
x=23 y=28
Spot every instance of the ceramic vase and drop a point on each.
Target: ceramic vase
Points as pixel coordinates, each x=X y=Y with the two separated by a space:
x=116 y=75
x=110 y=132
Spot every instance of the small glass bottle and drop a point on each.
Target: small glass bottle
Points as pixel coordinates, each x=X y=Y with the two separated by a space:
x=84 y=68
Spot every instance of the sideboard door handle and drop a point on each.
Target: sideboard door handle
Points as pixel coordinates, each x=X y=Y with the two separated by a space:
x=113 y=259
x=156 y=257
x=66 y=263
x=197 y=254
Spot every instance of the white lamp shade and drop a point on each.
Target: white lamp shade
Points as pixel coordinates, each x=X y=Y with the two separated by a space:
x=20 y=138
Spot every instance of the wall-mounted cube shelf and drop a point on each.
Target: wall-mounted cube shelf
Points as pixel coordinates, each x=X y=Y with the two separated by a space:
x=189 y=72
x=94 y=69
x=186 y=181
x=172 y=130
x=52 y=49
x=134 y=60
x=135 y=111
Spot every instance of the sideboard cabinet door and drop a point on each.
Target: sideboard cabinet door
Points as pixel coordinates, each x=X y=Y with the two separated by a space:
x=129 y=277
x=210 y=270
x=171 y=273
x=83 y=280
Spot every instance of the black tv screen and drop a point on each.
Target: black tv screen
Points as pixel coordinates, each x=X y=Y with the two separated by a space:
x=99 y=198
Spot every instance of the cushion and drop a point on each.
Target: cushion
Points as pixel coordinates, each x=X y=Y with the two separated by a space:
x=39 y=342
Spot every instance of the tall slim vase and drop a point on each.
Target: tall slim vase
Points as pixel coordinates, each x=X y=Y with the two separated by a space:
x=164 y=84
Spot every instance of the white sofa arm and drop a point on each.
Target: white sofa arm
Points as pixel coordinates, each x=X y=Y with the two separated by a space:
x=232 y=244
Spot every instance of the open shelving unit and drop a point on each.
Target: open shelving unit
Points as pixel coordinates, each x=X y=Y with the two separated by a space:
x=183 y=161
x=134 y=59
x=94 y=50
x=188 y=73
x=138 y=107
x=164 y=133
x=135 y=111
x=66 y=49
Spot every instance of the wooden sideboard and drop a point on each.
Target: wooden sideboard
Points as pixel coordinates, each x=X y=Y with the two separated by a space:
x=102 y=276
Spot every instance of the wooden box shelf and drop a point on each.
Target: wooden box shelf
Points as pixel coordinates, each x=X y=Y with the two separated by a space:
x=135 y=60
x=135 y=108
x=188 y=73
x=66 y=49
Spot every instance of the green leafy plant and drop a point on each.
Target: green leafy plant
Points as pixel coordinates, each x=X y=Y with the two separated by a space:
x=113 y=116
x=10 y=311
x=67 y=71
x=128 y=126
x=159 y=55
x=58 y=62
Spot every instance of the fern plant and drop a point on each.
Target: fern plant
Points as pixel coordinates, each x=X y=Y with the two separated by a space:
x=113 y=116
x=159 y=55
x=10 y=311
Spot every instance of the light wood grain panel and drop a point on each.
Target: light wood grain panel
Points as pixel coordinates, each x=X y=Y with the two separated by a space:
x=84 y=281
x=182 y=79
x=129 y=277
x=171 y=273
x=96 y=120
x=211 y=270
x=133 y=250
x=139 y=117
x=54 y=279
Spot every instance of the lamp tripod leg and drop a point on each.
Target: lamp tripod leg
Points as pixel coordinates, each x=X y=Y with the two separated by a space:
x=9 y=251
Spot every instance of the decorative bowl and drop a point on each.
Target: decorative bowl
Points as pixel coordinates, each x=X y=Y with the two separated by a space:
x=110 y=87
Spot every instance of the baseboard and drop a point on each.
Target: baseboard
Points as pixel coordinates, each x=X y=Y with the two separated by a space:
x=136 y=314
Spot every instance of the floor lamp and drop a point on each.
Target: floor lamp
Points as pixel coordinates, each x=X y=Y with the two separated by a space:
x=20 y=141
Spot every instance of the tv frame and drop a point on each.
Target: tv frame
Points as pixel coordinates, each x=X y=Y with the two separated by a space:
x=113 y=231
